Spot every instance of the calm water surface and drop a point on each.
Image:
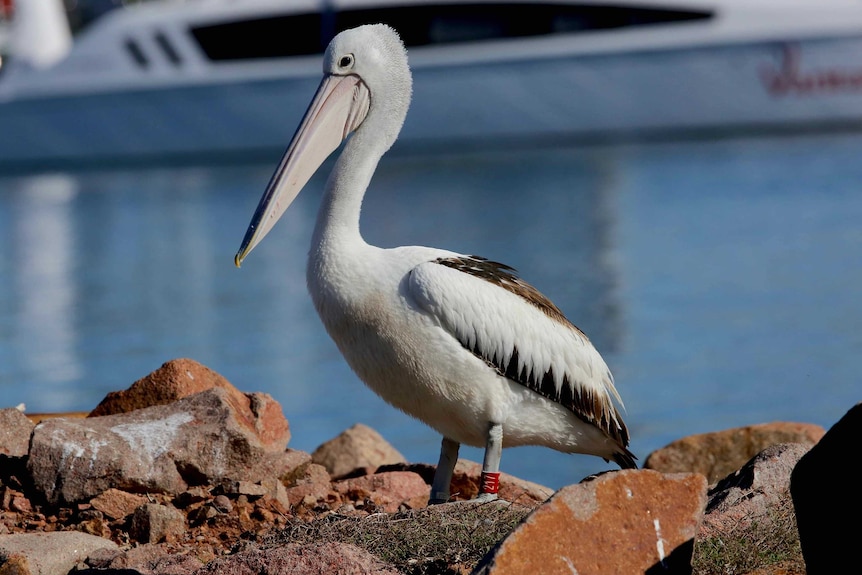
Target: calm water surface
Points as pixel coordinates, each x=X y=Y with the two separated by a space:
x=720 y=280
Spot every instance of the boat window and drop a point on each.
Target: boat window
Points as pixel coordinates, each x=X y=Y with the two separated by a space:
x=136 y=53
x=170 y=52
x=444 y=23
x=420 y=25
x=274 y=37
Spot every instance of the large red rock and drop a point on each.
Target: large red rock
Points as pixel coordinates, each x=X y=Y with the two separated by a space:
x=630 y=521
x=203 y=439
x=174 y=380
x=720 y=453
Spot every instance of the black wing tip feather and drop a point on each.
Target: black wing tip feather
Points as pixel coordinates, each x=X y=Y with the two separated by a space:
x=625 y=459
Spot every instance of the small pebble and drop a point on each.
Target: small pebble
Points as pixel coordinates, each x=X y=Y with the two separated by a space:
x=222 y=504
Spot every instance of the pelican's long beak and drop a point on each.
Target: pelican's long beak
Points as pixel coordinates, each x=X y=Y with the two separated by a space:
x=338 y=108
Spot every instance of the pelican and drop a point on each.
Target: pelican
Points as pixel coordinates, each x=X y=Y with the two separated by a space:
x=456 y=341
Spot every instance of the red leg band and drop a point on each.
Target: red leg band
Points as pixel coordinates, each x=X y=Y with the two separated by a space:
x=490 y=482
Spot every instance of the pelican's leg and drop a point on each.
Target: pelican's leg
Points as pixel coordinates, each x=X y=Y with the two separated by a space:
x=443 y=475
x=490 y=482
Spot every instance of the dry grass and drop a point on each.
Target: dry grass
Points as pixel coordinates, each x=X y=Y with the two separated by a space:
x=768 y=544
x=439 y=540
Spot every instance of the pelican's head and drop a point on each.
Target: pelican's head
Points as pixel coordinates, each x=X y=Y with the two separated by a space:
x=366 y=82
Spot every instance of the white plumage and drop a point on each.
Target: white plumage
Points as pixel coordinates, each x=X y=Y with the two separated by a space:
x=457 y=341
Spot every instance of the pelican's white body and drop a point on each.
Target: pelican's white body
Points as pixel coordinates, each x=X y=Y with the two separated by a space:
x=379 y=325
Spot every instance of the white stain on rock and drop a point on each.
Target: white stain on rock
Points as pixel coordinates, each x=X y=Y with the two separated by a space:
x=152 y=438
x=71 y=452
x=659 y=544
x=569 y=564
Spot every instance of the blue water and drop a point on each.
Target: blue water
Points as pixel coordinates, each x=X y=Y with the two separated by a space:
x=720 y=280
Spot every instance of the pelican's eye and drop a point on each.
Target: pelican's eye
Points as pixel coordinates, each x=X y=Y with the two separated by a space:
x=346 y=61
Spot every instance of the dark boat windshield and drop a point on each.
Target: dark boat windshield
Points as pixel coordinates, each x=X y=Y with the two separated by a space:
x=282 y=36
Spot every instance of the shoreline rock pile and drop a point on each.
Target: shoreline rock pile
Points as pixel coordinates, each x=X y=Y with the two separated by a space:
x=182 y=473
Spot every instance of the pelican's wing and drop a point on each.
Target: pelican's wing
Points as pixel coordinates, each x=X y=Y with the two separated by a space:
x=522 y=335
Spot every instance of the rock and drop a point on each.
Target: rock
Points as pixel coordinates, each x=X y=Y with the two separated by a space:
x=388 y=490
x=16 y=564
x=222 y=504
x=181 y=378
x=154 y=523
x=720 y=453
x=325 y=558
x=174 y=380
x=467 y=476
x=295 y=462
x=247 y=488
x=146 y=559
x=825 y=490
x=358 y=447
x=310 y=482
x=191 y=496
x=276 y=492
x=116 y=504
x=630 y=521
x=465 y=482
x=20 y=503
x=15 y=430
x=54 y=553
x=202 y=439
x=755 y=495
x=37 y=418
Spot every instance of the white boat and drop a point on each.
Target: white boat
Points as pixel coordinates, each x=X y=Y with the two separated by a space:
x=170 y=79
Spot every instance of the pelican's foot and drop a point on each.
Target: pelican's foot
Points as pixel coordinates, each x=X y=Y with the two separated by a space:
x=482 y=499
x=485 y=497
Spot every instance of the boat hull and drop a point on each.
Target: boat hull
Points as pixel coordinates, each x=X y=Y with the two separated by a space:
x=774 y=85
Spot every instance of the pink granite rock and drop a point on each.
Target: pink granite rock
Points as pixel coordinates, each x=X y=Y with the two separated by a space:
x=359 y=447
x=756 y=493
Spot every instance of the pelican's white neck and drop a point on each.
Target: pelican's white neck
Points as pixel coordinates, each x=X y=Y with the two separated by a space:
x=337 y=227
